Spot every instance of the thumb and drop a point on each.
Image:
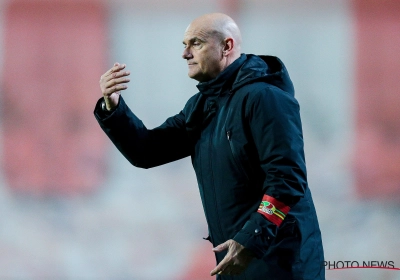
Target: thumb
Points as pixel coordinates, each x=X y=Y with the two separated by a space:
x=221 y=247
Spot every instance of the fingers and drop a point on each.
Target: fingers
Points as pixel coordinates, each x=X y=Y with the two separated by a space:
x=115 y=72
x=222 y=247
x=220 y=268
x=116 y=84
x=235 y=261
x=116 y=68
x=227 y=269
x=114 y=80
x=225 y=262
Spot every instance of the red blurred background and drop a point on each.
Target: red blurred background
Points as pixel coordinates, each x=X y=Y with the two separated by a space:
x=72 y=208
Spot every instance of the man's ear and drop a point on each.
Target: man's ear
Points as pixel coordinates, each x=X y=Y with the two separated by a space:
x=228 y=46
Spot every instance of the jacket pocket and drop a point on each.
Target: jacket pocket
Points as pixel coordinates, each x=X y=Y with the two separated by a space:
x=284 y=251
x=235 y=155
x=288 y=230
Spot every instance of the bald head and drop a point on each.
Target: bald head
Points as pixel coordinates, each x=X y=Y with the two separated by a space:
x=219 y=26
x=212 y=43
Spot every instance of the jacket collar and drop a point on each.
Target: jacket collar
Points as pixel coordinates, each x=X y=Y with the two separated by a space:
x=224 y=79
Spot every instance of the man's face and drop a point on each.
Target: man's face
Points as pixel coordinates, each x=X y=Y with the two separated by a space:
x=203 y=53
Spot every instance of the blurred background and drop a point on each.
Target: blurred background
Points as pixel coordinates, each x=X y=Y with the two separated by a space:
x=71 y=207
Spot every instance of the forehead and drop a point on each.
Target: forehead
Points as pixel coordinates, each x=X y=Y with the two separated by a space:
x=196 y=31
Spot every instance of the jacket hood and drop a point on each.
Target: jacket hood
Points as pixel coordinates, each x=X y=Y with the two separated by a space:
x=249 y=68
x=245 y=70
x=269 y=69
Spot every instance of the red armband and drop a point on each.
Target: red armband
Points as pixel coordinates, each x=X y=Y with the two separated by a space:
x=273 y=210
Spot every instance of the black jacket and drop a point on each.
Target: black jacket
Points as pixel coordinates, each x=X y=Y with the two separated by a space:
x=243 y=132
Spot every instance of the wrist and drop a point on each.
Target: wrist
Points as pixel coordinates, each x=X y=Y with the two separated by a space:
x=104 y=107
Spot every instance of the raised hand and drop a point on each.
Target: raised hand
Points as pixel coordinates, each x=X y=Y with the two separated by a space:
x=111 y=84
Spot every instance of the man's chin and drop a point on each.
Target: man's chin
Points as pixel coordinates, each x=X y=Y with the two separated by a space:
x=199 y=77
x=195 y=76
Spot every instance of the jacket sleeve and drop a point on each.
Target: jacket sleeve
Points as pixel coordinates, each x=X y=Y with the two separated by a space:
x=275 y=127
x=144 y=147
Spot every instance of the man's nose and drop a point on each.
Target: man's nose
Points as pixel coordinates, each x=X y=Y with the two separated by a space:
x=187 y=54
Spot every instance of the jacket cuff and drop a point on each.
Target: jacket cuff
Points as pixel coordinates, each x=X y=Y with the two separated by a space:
x=102 y=114
x=255 y=238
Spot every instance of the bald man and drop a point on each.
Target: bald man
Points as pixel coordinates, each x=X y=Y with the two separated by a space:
x=243 y=133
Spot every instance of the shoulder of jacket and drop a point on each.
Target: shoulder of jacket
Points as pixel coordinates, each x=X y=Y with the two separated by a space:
x=258 y=93
x=258 y=89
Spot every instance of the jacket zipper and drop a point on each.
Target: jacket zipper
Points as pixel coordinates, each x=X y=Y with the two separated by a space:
x=213 y=183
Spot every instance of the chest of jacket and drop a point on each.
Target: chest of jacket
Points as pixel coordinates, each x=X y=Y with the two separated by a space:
x=227 y=169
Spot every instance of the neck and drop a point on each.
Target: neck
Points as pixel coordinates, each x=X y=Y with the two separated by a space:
x=229 y=60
